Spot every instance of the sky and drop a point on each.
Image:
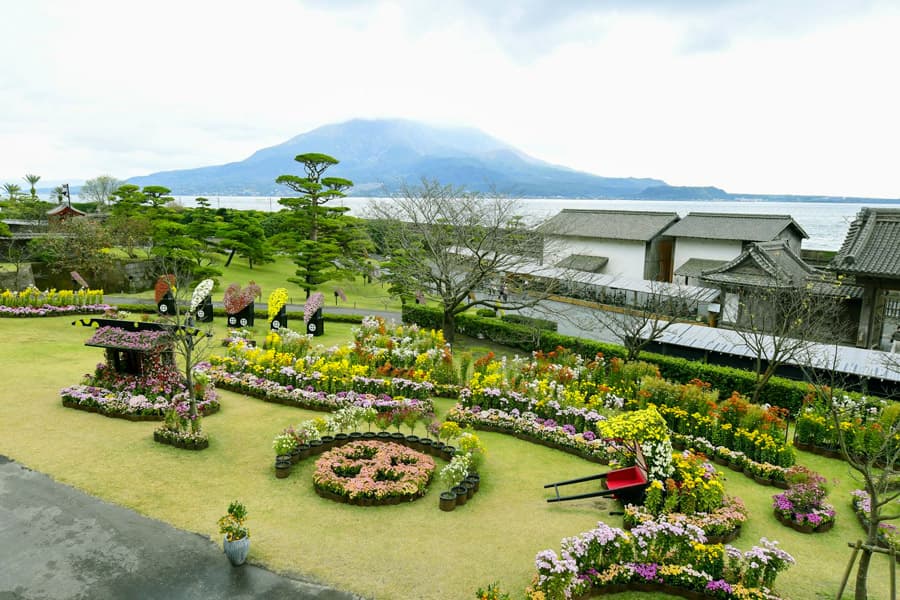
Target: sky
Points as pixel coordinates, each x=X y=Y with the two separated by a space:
x=766 y=96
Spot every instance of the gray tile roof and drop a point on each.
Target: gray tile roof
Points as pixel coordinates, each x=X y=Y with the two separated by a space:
x=583 y=262
x=872 y=245
x=775 y=264
x=608 y=224
x=733 y=226
x=694 y=266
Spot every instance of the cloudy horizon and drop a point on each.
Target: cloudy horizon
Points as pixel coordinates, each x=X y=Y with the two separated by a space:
x=753 y=97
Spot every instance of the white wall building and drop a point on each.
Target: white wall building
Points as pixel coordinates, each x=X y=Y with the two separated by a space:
x=610 y=242
x=704 y=241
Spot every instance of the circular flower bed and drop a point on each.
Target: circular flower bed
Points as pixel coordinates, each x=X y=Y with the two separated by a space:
x=371 y=473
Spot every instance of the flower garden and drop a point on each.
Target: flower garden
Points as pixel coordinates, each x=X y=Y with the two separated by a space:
x=700 y=530
x=32 y=302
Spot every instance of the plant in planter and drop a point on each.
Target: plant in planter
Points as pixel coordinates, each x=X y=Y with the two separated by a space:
x=284 y=444
x=237 y=536
x=803 y=505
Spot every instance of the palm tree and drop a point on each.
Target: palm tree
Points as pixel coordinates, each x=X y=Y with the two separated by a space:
x=14 y=190
x=32 y=180
x=59 y=192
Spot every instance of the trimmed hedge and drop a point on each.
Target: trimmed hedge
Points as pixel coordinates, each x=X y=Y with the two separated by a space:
x=780 y=391
x=530 y=322
x=259 y=314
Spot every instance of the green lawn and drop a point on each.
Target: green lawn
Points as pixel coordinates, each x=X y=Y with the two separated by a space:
x=274 y=275
x=408 y=551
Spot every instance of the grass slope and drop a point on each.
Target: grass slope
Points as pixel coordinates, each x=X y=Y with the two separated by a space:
x=274 y=275
x=407 y=551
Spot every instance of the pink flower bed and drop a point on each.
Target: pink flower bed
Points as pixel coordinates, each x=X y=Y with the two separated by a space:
x=373 y=470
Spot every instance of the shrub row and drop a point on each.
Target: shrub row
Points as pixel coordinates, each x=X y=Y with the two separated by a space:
x=782 y=392
x=259 y=314
x=530 y=322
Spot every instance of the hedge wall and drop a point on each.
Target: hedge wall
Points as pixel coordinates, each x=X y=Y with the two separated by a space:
x=780 y=391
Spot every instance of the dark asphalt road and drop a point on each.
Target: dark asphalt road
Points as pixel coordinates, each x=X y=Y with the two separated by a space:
x=57 y=542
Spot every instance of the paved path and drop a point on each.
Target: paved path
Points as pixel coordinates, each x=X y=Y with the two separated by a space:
x=57 y=542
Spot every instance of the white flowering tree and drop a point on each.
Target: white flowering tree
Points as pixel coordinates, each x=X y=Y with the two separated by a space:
x=190 y=343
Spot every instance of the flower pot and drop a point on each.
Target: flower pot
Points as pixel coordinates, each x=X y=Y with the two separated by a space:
x=355 y=436
x=475 y=480
x=720 y=460
x=397 y=436
x=369 y=435
x=413 y=442
x=447 y=501
x=462 y=495
x=340 y=439
x=470 y=488
x=237 y=550
x=315 y=447
x=304 y=450
x=383 y=435
x=327 y=441
x=425 y=445
x=295 y=455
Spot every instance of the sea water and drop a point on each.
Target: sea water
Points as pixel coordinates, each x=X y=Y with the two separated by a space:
x=826 y=223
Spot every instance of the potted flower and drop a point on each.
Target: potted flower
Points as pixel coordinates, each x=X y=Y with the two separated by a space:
x=237 y=537
x=277 y=303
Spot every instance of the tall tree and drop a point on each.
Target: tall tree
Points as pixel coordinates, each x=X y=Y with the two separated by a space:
x=244 y=235
x=100 y=189
x=314 y=189
x=326 y=244
x=448 y=244
x=13 y=190
x=32 y=181
x=83 y=246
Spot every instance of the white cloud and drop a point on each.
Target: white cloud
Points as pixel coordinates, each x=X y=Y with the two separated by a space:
x=752 y=97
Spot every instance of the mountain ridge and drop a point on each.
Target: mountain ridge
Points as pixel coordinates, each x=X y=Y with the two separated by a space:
x=378 y=155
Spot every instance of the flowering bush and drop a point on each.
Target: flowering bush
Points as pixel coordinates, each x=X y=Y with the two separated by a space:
x=164 y=285
x=277 y=300
x=313 y=304
x=32 y=297
x=888 y=533
x=804 y=501
x=201 y=292
x=720 y=521
x=375 y=470
x=116 y=337
x=647 y=428
x=585 y=444
x=672 y=553
x=237 y=299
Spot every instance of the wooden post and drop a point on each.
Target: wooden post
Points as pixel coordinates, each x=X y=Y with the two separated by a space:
x=856 y=548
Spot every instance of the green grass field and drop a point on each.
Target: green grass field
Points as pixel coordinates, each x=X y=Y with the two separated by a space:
x=274 y=275
x=407 y=551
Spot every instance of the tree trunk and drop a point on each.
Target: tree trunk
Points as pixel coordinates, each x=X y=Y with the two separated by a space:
x=761 y=380
x=230 y=256
x=448 y=325
x=189 y=379
x=862 y=574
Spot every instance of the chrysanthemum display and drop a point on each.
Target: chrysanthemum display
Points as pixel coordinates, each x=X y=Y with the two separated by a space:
x=277 y=300
x=373 y=470
x=202 y=290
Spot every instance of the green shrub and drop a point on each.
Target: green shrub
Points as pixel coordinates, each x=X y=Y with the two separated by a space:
x=486 y=312
x=531 y=322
